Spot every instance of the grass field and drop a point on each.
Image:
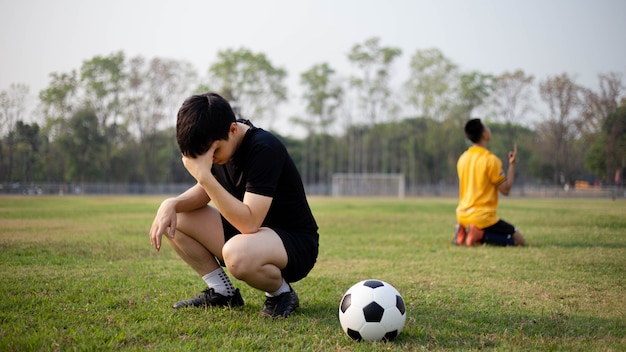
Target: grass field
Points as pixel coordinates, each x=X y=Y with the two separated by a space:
x=79 y=274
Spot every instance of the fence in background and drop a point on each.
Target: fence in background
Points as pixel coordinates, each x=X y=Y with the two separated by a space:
x=92 y=188
x=530 y=191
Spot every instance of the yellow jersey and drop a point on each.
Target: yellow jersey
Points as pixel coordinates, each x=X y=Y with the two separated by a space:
x=480 y=173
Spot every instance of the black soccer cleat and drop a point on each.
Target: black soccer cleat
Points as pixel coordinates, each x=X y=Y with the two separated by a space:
x=281 y=305
x=210 y=298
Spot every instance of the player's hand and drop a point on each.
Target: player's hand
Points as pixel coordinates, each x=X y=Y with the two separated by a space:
x=164 y=223
x=200 y=167
x=513 y=155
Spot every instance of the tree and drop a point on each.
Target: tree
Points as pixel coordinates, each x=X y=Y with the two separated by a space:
x=511 y=98
x=559 y=133
x=437 y=93
x=599 y=105
x=57 y=101
x=104 y=81
x=154 y=93
x=12 y=108
x=615 y=128
x=474 y=89
x=28 y=144
x=249 y=81
x=323 y=95
x=372 y=82
x=83 y=144
x=431 y=83
x=372 y=88
x=600 y=124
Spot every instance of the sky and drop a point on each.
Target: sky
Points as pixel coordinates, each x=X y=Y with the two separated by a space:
x=544 y=38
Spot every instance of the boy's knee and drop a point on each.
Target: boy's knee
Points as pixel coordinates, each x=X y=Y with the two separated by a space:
x=236 y=258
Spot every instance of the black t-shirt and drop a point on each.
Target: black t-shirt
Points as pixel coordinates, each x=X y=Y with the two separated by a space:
x=262 y=166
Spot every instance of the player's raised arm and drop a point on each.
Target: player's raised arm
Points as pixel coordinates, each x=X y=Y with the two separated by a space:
x=505 y=187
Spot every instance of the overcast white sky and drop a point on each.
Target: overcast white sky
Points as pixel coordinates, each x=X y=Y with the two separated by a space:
x=541 y=37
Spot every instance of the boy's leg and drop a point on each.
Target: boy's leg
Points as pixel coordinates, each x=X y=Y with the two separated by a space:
x=258 y=259
x=498 y=239
x=199 y=239
x=459 y=235
x=474 y=235
x=503 y=234
x=518 y=239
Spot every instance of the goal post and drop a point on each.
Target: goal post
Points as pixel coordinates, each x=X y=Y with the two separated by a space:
x=367 y=185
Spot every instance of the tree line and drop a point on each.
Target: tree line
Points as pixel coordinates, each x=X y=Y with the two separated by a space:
x=112 y=119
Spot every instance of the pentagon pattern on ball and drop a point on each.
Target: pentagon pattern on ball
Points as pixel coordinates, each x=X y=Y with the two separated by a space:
x=373 y=283
x=373 y=312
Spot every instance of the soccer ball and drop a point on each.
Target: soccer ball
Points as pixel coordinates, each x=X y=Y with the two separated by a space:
x=372 y=310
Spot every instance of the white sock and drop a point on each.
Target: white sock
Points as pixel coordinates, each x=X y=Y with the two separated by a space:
x=283 y=288
x=219 y=281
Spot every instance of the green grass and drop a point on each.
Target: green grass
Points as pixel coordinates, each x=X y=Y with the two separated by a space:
x=79 y=273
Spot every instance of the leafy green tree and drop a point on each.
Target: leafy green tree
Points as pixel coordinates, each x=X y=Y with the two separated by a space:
x=323 y=95
x=249 y=81
x=58 y=101
x=473 y=91
x=12 y=109
x=373 y=79
x=155 y=90
x=104 y=82
x=82 y=145
x=431 y=84
x=28 y=145
x=373 y=91
x=615 y=128
x=529 y=155
x=595 y=159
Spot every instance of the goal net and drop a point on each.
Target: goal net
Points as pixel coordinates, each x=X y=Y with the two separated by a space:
x=367 y=185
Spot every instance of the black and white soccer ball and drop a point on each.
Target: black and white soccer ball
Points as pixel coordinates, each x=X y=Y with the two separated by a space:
x=372 y=310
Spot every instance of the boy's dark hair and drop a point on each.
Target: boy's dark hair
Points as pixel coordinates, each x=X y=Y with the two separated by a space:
x=202 y=119
x=474 y=129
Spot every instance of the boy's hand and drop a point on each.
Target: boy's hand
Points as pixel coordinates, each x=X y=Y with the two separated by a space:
x=513 y=155
x=200 y=167
x=164 y=223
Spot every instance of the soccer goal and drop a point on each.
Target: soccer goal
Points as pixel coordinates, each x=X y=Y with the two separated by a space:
x=367 y=185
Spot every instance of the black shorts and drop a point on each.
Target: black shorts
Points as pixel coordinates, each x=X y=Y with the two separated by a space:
x=302 y=250
x=500 y=233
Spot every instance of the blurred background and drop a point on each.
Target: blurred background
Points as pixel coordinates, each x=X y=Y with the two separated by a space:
x=370 y=98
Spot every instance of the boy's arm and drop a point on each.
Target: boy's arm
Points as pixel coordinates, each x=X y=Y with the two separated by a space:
x=247 y=215
x=505 y=187
x=165 y=219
